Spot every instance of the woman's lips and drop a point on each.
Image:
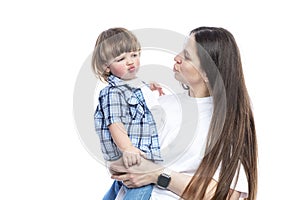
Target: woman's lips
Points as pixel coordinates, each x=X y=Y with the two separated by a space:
x=175 y=69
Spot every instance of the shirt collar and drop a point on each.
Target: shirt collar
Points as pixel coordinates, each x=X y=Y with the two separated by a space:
x=115 y=81
x=132 y=99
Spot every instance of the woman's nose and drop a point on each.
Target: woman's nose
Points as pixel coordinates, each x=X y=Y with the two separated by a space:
x=178 y=59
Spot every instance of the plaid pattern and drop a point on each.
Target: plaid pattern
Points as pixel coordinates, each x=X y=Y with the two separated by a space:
x=120 y=103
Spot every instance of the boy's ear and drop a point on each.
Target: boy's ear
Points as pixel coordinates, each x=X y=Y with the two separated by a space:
x=107 y=68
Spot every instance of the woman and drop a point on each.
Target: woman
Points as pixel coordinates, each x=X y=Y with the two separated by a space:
x=210 y=68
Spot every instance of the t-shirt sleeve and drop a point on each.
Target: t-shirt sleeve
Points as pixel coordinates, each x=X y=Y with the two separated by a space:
x=241 y=184
x=113 y=103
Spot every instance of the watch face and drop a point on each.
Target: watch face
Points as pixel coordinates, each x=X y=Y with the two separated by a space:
x=163 y=180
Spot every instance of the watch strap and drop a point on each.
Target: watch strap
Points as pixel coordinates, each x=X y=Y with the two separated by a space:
x=167 y=171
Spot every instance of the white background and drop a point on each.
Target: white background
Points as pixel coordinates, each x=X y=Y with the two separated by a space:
x=44 y=43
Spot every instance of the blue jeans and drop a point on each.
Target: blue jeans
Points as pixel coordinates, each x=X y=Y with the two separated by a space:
x=141 y=193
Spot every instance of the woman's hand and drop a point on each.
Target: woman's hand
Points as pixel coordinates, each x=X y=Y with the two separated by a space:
x=136 y=176
x=132 y=180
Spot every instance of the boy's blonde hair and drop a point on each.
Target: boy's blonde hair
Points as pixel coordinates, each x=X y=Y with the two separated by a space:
x=110 y=44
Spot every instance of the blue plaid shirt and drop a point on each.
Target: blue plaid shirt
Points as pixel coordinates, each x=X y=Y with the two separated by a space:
x=118 y=102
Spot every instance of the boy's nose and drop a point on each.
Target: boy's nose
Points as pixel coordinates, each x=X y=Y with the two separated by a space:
x=129 y=61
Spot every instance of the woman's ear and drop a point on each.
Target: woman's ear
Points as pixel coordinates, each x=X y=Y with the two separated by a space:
x=205 y=79
x=204 y=76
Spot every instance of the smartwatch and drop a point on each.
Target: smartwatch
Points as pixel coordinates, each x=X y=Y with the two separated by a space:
x=164 y=179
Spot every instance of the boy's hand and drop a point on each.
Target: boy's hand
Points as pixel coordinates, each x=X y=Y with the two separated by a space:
x=156 y=86
x=132 y=156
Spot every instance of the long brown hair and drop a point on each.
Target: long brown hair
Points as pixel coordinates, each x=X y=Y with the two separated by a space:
x=232 y=137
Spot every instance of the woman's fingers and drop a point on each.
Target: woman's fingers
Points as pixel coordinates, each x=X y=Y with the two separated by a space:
x=126 y=180
x=119 y=177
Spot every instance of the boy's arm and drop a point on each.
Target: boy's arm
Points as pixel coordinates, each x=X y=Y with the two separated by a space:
x=131 y=154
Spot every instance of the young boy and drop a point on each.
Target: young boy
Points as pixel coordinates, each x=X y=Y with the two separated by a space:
x=123 y=119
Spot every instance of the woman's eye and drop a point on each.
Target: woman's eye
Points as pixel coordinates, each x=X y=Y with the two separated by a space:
x=134 y=55
x=186 y=57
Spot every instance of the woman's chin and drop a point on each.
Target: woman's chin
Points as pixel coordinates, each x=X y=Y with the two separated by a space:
x=176 y=76
x=179 y=78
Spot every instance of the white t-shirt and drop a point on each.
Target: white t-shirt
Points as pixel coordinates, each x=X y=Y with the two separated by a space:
x=183 y=139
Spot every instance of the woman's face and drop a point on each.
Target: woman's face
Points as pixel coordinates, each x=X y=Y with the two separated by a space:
x=187 y=66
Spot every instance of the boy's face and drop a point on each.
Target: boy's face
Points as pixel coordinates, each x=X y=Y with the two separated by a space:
x=126 y=65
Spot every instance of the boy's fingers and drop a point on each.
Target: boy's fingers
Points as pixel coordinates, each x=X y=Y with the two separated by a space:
x=138 y=160
x=125 y=163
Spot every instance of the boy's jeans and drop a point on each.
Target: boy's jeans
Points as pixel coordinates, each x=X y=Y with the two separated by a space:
x=141 y=193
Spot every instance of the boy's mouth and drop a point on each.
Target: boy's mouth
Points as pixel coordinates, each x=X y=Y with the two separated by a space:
x=132 y=68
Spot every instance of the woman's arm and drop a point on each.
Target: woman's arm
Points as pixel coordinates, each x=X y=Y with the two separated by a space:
x=178 y=182
x=147 y=173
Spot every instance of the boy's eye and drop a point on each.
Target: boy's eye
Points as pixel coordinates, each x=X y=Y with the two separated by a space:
x=134 y=54
x=120 y=59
